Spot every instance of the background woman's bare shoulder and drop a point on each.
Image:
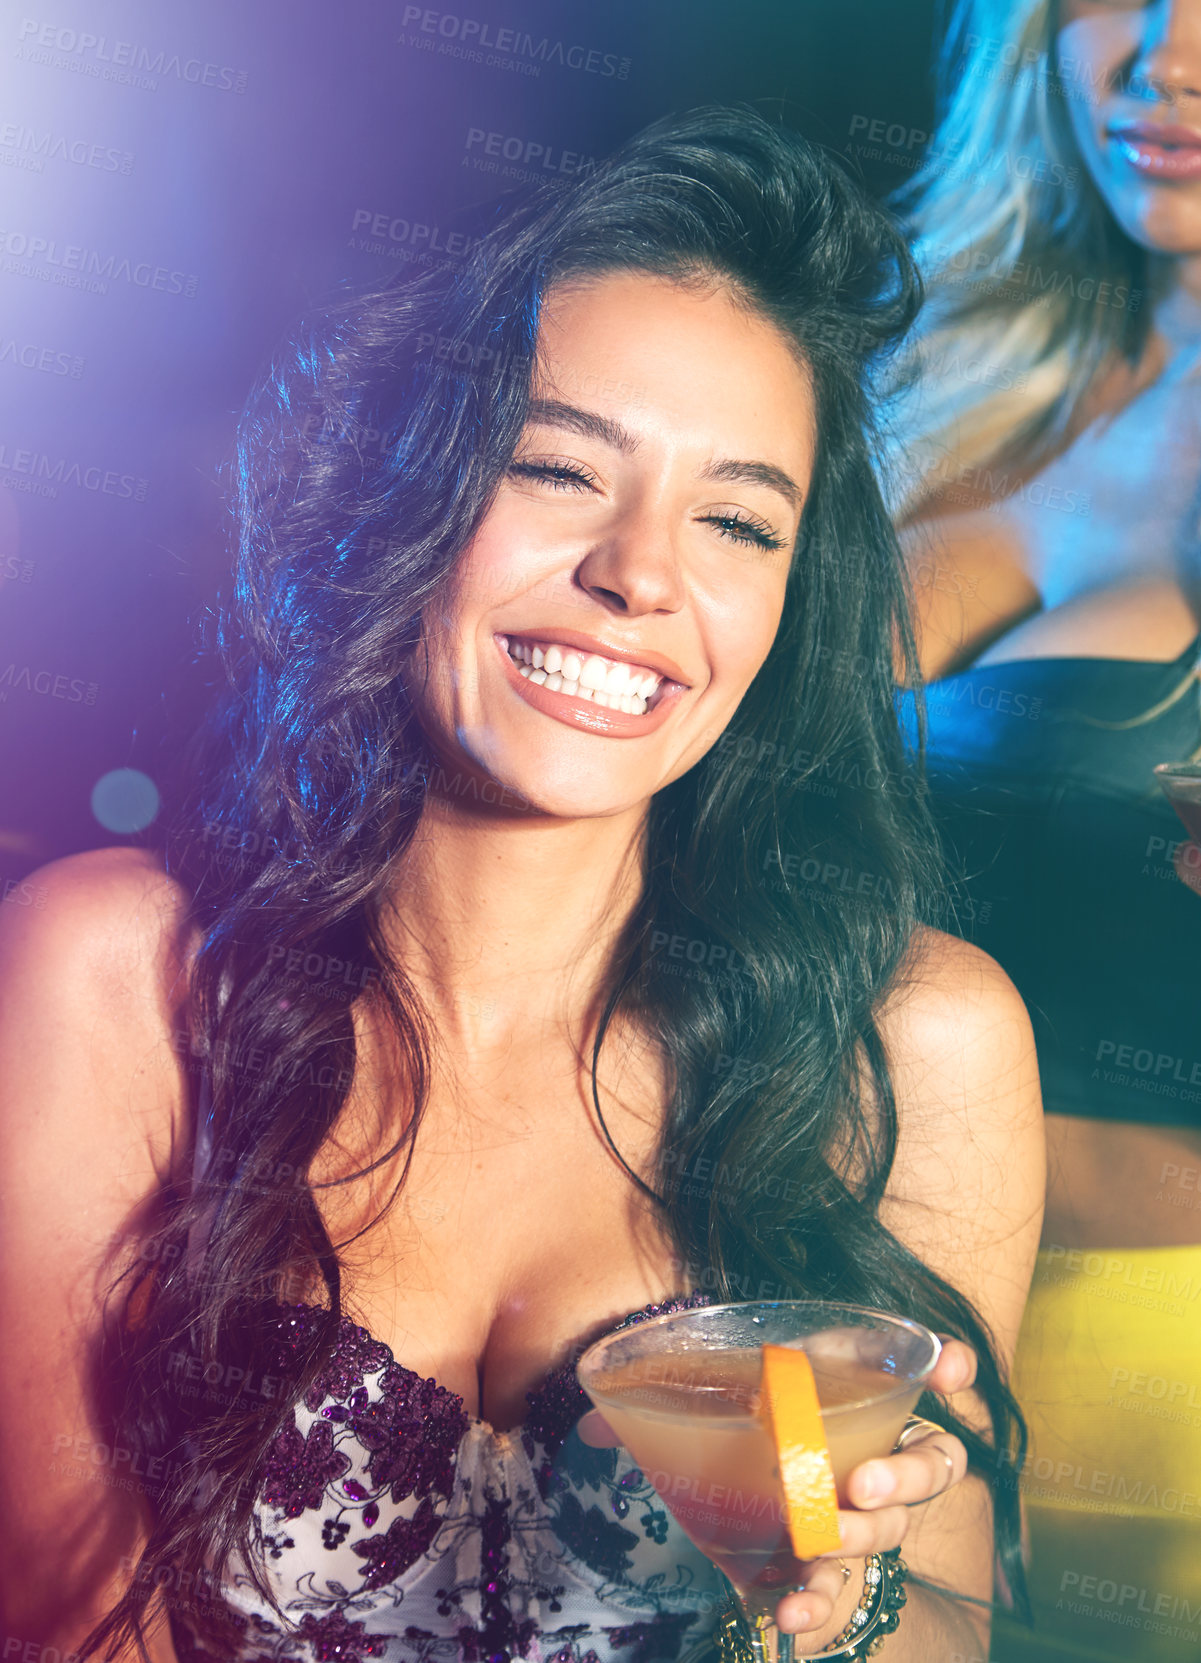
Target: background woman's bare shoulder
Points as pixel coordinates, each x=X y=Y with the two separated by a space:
x=93 y=1009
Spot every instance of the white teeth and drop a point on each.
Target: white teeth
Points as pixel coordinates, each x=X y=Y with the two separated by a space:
x=612 y=684
x=594 y=673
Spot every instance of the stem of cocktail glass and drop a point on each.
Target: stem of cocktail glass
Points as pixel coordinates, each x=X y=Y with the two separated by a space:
x=761 y=1632
x=759 y=1629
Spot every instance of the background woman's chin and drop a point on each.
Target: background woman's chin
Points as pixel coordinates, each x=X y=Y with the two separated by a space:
x=1168 y=232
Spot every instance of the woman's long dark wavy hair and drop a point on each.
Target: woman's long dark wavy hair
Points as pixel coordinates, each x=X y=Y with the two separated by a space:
x=798 y=849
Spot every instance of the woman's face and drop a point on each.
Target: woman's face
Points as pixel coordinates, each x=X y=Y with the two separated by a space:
x=1132 y=74
x=634 y=561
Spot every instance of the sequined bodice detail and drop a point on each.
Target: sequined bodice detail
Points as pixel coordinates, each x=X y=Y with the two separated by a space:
x=391 y=1524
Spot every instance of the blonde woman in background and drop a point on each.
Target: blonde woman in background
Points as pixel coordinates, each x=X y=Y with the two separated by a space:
x=1048 y=451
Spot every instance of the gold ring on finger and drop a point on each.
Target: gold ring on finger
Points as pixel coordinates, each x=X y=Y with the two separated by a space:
x=917 y=1427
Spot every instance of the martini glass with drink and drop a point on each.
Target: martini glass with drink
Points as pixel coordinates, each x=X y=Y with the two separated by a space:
x=747 y=1419
x=1181 y=785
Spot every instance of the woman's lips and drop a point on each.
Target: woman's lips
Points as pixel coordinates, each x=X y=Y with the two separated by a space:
x=582 y=713
x=1159 y=152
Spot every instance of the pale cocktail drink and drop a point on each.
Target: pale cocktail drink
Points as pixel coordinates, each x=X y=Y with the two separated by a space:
x=696 y=1432
x=682 y=1393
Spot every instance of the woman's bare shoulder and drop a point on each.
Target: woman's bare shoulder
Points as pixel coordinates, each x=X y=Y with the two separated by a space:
x=110 y=885
x=967 y=1185
x=950 y=992
x=959 y=1042
x=95 y=950
x=94 y=1127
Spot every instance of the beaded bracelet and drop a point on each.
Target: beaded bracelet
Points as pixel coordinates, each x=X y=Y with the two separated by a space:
x=878 y=1610
x=873 y=1619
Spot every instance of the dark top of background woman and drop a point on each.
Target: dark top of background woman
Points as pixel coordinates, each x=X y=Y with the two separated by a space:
x=1042 y=773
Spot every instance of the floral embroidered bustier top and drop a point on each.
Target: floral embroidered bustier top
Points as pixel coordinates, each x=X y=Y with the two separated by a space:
x=391 y=1524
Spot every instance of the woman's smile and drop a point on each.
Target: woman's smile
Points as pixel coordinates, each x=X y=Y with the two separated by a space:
x=563 y=674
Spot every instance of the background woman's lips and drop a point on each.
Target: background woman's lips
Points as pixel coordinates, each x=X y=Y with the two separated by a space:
x=1159 y=152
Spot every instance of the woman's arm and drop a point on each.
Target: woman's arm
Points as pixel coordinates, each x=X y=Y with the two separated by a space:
x=966 y=1196
x=970 y=585
x=92 y=1102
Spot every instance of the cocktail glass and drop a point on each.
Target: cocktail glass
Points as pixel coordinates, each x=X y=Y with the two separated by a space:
x=1181 y=785
x=682 y=1393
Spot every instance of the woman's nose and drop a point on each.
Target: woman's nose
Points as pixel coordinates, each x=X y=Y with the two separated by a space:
x=634 y=567
x=1168 y=59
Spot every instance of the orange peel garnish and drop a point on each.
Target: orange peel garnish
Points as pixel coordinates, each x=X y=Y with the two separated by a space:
x=793 y=1416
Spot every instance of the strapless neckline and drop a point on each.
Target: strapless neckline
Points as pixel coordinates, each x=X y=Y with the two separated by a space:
x=379 y=1489
x=1081 y=661
x=359 y=1342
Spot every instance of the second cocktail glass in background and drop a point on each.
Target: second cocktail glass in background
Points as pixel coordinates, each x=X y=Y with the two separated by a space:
x=1181 y=785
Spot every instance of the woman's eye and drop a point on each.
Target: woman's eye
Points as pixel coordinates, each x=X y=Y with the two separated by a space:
x=737 y=527
x=560 y=476
x=745 y=530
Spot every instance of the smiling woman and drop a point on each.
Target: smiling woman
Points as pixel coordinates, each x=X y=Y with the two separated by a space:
x=494 y=766
x=658 y=546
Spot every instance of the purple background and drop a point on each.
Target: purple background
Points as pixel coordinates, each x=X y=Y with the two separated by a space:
x=216 y=166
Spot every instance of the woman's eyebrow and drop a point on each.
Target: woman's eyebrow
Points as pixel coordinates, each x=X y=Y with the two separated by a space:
x=756 y=473
x=587 y=422
x=592 y=425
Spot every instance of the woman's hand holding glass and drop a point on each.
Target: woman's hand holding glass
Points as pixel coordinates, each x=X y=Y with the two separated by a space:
x=882 y=1492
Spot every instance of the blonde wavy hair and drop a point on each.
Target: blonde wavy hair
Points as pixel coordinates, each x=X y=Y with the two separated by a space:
x=1032 y=285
